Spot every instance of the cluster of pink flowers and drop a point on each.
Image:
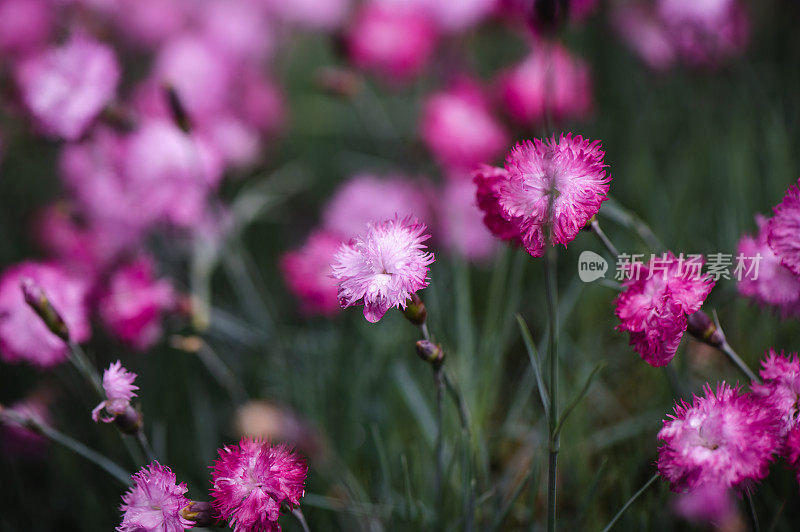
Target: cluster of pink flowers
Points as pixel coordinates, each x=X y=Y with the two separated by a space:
x=655 y=304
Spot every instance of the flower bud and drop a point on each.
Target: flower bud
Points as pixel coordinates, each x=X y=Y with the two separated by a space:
x=430 y=352
x=37 y=300
x=701 y=327
x=415 y=310
x=130 y=422
x=200 y=513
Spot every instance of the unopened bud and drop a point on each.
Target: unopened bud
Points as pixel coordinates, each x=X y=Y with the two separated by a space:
x=179 y=114
x=430 y=352
x=415 y=310
x=129 y=422
x=704 y=329
x=201 y=514
x=37 y=300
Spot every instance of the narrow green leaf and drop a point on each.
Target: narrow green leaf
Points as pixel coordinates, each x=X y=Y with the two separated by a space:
x=534 y=358
x=567 y=411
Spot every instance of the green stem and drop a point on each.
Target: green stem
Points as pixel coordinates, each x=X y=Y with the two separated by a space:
x=551 y=290
x=438 y=378
x=298 y=514
x=736 y=359
x=597 y=230
x=85 y=367
x=630 y=501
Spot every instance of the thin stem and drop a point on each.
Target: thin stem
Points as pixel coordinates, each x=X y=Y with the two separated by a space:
x=85 y=367
x=73 y=445
x=438 y=377
x=298 y=514
x=222 y=373
x=753 y=513
x=144 y=444
x=736 y=359
x=597 y=230
x=551 y=290
x=630 y=501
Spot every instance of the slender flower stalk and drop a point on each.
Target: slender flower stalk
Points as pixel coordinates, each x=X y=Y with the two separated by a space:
x=555 y=438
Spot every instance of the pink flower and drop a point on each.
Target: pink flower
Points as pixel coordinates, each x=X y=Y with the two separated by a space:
x=149 y=23
x=459 y=129
x=25 y=25
x=722 y=439
x=457 y=16
x=119 y=388
x=784 y=228
x=314 y=14
x=307 y=272
x=549 y=83
x=366 y=198
x=766 y=280
x=708 y=504
x=780 y=390
x=19 y=439
x=488 y=180
x=23 y=335
x=568 y=172
x=655 y=304
x=132 y=304
x=645 y=34
x=251 y=482
x=461 y=222
x=65 y=88
x=383 y=267
x=394 y=41
x=792 y=450
x=154 y=502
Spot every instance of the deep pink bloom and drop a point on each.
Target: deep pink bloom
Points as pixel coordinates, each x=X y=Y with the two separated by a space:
x=784 y=229
x=251 y=482
x=366 y=198
x=551 y=82
x=459 y=129
x=709 y=504
x=461 y=222
x=568 y=172
x=792 y=450
x=307 y=272
x=25 y=25
x=723 y=439
x=766 y=280
x=66 y=87
x=780 y=389
x=655 y=304
x=119 y=388
x=315 y=14
x=23 y=335
x=488 y=180
x=394 y=41
x=154 y=502
x=641 y=30
x=133 y=302
x=383 y=267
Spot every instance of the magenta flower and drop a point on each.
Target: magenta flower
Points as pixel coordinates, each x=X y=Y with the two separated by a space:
x=313 y=14
x=154 y=502
x=366 y=198
x=769 y=282
x=25 y=25
x=22 y=440
x=641 y=30
x=383 y=267
x=393 y=40
x=488 y=180
x=655 y=304
x=23 y=335
x=723 y=439
x=251 y=482
x=119 y=388
x=66 y=87
x=709 y=504
x=550 y=82
x=459 y=129
x=780 y=389
x=784 y=228
x=461 y=222
x=568 y=172
x=792 y=450
x=307 y=272
x=133 y=302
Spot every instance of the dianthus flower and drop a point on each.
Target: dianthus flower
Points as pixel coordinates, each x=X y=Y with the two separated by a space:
x=251 y=482
x=307 y=272
x=154 y=502
x=655 y=304
x=383 y=267
x=488 y=180
x=792 y=450
x=461 y=222
x=784 y=228
x=568 y=174
x=119 y=388
x=764 y=279
x=780 y=388
x=723 y=439
x=66 y=87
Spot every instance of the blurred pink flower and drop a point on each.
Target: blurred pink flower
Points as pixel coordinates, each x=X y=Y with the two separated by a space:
x=66 y=87
x=148 y=23
x=119 y=388
x=154 y=502
x=723 y=439
x=780 y=388
x=366 y=198
x=239 y=29
x=393 y=41
x=772 y=283
x=25 y=25
x=461 y=222
x=784 y=228
x=133 y=302
x=459 y=129
x=21 y=440
x=307 y=272
x=709 y=504
x=251 y=482
x=23 y=335
x=655 y=303
x=383 y=267
x=488 y=180
x=549 y=83
x=313 y=14
x=568 y=172
x=638 y=26
x=450 y=16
